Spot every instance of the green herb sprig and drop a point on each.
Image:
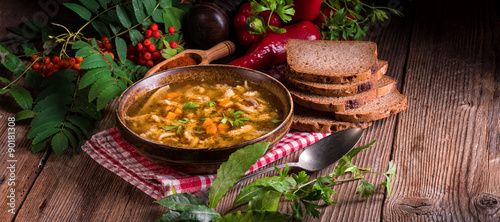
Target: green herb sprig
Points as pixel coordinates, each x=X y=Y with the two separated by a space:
x=263 y=195
x=177 y=125
x=283 y=8
x=237 y=121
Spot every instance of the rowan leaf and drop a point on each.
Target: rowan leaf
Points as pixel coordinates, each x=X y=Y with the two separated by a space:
x=232 y=170
x=4 y=80
x=108 y=94
x=35 y=131
x=79 y=45
x=101 y=28
x=123 y=16
x=77 y=131
x=33 y=78
x=91 y=76
x=53 y=100
x=135 y=36
x=22 y=97
x=29 y=49
x=99 y=86
x=158 y=15
x=93 y=61
x=170 y=18
x=25 y=114
x=149 y=5
x=67 y=89
x=81 y=123
x=121 y=49
x=138 y=10
x=54 y=113
x=104 y=3
x=44 y=135
x=80 y=10
x=36 y=148
x=13 y=63
x=59 y=143
x=71 y=138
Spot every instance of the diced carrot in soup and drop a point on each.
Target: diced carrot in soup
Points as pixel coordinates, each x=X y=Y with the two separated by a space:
x=171 y=115
x=225 y=103
x=178 y=111
x=212 y=129
x=208 y=122
x=223 y=127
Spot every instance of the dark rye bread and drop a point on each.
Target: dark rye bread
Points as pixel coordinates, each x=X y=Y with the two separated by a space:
x=326 y=61
x=376 y=109
x=320 y=122
x=337 y=90
x=335 y=104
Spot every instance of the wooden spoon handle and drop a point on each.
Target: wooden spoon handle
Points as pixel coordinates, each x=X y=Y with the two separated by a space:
x=220 y=50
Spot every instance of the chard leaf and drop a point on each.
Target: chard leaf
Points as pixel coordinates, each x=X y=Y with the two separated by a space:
x=201 y=213
x=232 y=170
x=256 y=216
x=267 y=201
x=169 y=216
x=181 y=201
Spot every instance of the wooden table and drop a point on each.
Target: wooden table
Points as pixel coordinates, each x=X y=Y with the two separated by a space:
x=446 y=145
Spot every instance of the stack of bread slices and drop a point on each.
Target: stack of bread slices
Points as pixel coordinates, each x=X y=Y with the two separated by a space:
x=336 y=85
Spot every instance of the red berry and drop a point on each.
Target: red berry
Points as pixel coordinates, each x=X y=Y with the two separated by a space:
x=34 y=57
x=139 y=46
x=156 y=34
x=151 y=48
x=147 y=56
x=171 y=29
x=55 y=59
x=150 y=63
x=104 y=39
x=79 y=59
x=155 y=56
x=37 y=66
x=153 y=27
x=46 y=60
x=146 y=42
x=173 y=44
x=141 y=61
x=148 y=33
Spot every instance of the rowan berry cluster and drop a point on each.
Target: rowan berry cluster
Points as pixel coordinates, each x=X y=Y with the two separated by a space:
x=147 y=52
x=46 y=66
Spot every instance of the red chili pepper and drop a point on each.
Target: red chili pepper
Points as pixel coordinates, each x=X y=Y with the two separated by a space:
x=306 y=10
x=271 y=50
x=250 y=28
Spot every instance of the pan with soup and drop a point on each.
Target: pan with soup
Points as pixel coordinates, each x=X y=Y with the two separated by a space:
x=204 y=114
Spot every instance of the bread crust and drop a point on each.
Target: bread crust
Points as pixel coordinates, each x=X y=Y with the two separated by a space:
x=338 y=90
x=318 y=122
x=336 y=78
x=397 y=106
x=349 y=102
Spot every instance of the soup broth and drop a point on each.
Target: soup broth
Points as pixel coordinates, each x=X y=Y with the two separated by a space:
x=205 y=115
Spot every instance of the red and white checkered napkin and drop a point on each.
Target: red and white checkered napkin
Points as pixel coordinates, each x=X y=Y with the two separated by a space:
x=110 y=150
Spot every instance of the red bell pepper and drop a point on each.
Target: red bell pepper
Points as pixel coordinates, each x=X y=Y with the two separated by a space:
x=250 y=28
x=271 y=50
x=306 y=10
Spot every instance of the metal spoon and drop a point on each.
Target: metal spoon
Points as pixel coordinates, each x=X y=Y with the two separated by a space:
x=320 y=154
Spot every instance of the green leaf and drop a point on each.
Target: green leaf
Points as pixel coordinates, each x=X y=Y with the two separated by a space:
x=80 y=10
x=81 y=123
x=232 y=170
x=35 y=148
x=22 y=97
x=79 y=45
x=100 y=85
x=121 y=49
x=59 y=143
x=44 y=135
x=123 y=16
x=93 y=61
x=158 y=15
x=71 y=138
x=106 y=95
x=29 y=49
x=75 y=130
x=53 y=100
x=92 y=5
x=190 y=105
x=25 y=114
x=149 y=5
x=65 y=88
x=3 y=91
x=33 y=78
x=165 y=3
x=135 y=36
x=169 y=216
x=200 y=213
x=170 y=18
x=101 y=28
x=82 y=106
x=266 y=201
x=104 y=3
x=92 y=76
x=181 y=201
x=37 y=130
x=261 y=186
x=256 y=216
x=14 y=64
x=340 y=168
x=53 y=113
x=138 y=10
x=4 y=80
x=365 y=189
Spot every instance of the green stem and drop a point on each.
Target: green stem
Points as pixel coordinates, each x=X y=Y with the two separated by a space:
x=22 y=74
x=94 y=18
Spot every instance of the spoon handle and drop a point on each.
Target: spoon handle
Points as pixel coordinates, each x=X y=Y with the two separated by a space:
x=220 y=50
x=256 y=173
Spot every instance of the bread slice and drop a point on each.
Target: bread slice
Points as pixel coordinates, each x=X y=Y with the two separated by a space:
x=336 y=90
x=331 y=61
x=319 y=122
x=376 y=109
x=335 y=104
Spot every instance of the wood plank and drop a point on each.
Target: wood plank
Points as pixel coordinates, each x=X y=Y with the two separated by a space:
x=77 y=188
x=393 y=39
x=442 y=141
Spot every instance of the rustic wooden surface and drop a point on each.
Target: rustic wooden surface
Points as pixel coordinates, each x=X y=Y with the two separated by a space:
x=446 y=145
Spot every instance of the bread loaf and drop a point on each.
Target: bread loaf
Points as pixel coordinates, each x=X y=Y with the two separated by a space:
x=319 y=122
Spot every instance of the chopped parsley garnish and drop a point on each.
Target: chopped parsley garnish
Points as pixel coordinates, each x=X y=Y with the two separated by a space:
x=190 y=105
